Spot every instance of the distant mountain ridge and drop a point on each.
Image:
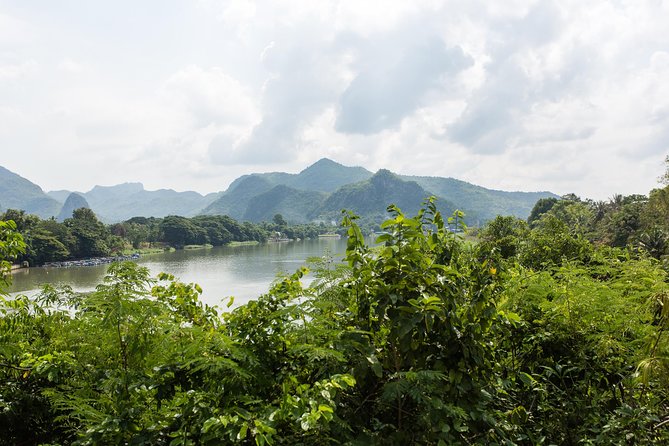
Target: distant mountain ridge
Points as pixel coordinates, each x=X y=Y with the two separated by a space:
x=366 y=193
x=248 y=192
x=124 y=201
x=479 y=203
x=17 y=192
x=127 y=200
x=324 y=175
x=318 y=192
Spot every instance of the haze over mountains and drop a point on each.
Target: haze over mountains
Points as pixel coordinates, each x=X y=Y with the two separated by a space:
x=319 y=192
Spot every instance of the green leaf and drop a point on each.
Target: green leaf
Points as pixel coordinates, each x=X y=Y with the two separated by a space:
x=324 y=408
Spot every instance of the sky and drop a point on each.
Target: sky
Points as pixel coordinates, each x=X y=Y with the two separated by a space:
x=566 y=96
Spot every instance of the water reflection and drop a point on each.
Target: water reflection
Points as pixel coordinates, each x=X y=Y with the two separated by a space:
x=244 y=272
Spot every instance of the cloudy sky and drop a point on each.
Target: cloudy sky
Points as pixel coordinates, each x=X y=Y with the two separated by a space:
x=566 y=96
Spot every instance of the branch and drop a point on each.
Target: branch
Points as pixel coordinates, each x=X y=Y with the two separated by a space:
x=662 y=423
x=15 y=367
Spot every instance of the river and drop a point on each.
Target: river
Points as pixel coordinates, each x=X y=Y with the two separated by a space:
x=244 y=272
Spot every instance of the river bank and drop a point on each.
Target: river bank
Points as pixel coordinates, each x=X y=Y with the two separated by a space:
x=126 y=255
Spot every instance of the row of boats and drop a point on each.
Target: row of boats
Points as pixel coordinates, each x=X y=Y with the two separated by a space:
x=92 y=262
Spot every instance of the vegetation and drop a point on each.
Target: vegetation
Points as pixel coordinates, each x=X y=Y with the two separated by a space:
x=534 y=335
x=635 y=221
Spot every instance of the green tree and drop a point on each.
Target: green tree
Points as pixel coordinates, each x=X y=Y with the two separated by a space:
x=11 y=247
x=656 y=212
x=90 y=235
x=136 y=234
x=551 y=242
x=655 y=242
x=279 y=220
x=505 y=234
x=214 y=228
x=45 y=247
x=178 y=231
x=542 y=206
x=623 y=225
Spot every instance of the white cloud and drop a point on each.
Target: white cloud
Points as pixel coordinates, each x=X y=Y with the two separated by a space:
x=17 y=70
x=71 y=66
x=210 y=96
x=568 y=96
x=386 y=91
x=14 y=31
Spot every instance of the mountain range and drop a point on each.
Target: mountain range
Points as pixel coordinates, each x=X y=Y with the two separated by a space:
x=319 y=192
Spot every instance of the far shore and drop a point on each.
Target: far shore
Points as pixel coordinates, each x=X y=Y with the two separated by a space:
x=148 y=251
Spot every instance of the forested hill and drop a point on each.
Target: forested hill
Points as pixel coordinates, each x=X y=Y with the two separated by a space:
x=319 y=192
x=324 y=175
x=358 y=189
x=369 y=198
x=478 y=202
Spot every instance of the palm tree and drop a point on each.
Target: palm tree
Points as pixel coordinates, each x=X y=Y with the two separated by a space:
x=654 y=242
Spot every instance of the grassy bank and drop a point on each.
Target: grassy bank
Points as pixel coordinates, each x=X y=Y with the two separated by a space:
x=249 y=243
x=146 y=251
x=205 y=246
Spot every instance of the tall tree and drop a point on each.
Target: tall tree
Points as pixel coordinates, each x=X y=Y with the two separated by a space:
x=542 y=206
x=90 y=235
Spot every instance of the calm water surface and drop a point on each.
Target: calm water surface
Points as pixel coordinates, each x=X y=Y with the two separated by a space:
x=244 y=272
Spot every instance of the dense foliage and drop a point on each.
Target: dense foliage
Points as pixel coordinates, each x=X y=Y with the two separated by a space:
x=533 y=336
x=635 y=221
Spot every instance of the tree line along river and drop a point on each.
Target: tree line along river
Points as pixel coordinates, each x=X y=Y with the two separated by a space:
x=244 y=272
